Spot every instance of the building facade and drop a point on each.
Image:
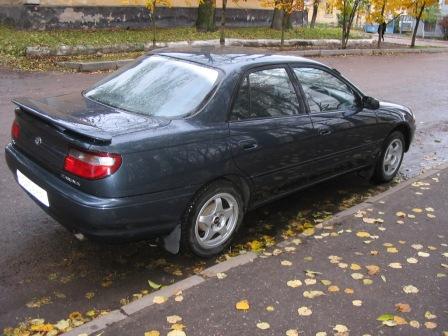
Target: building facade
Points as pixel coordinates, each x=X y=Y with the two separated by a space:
x=69 y=14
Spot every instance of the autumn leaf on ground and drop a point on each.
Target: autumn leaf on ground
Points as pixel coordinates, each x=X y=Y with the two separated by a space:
x=423 y=254
x=292 y=332
x=221 y=275
x=372 y=269
x=263 y=325
x=355 y=267
x=313 y=294
x=410 y=289
x=392 y=250
x=333 y=288
x=340 y=328
x=176 y=333
x=429 y=315
x=310 y=281
x=308 y=232
x=152 y=333
x=412 y=260
x=173 y=319
x=286 y=263
x=357 y=276
x=159 y=299
x=363 y=234
x=430 y=325
x=294 y=283
x=403 y=307
x=304 y=311
x=357 y=303
x=153 y=285
x=399 y=320
x=395 y=265
x=414 y=324
x=242 y=305
x=89 y=295
x=401 y=214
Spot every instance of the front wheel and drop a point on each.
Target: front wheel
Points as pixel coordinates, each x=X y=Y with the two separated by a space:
x=390 y=159
x=212 y=219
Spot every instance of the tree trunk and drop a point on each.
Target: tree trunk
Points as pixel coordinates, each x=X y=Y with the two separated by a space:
x=222 y=38
x=154 y=36
x=344 y=24
x=347 y=24
x=381 y=28
x=414 y=34
x=277 y=18
x=206 y=16
x=314 y=16
x=282 y=41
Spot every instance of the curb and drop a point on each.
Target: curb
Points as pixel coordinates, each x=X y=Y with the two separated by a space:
x=126 y=311
x=64 y=50
x=114 y=65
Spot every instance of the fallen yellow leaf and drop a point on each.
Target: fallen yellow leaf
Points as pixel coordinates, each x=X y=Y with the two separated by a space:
x=304 y=311
x=152 y=333
x=263 y=325
x=242 y=305
x=173 y=319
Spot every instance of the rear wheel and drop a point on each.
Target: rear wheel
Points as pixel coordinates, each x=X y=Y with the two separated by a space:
x=212 y=219
x=390 y=159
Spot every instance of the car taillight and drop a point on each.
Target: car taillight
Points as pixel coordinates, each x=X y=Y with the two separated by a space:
x=91 y=165
x=15 y=130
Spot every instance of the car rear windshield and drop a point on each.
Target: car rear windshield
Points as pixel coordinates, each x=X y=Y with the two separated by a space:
x=157 y=86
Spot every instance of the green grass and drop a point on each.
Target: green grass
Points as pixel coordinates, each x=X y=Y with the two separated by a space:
x=14 y=42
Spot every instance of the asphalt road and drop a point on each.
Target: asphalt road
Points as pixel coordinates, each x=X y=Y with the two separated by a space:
x=45 y=267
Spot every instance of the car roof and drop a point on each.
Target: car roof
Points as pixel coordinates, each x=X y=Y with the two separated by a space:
x=230 y=59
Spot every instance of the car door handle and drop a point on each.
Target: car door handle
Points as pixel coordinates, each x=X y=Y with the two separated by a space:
x=248 y=145
x=324 y=131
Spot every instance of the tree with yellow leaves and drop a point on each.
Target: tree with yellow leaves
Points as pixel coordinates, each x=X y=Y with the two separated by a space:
x=381 y=11
x=287 y=7
x=152 y=5
x=416 y=9
x=347 y=10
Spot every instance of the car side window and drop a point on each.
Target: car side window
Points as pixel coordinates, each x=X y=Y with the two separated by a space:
x=265 y=94
x=324 y=92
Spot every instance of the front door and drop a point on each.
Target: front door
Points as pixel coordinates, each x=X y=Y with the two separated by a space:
x=346 y=131
x=270 y=132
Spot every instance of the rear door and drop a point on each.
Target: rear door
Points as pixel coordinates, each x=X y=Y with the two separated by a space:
x=345 y=130
x=270 y=131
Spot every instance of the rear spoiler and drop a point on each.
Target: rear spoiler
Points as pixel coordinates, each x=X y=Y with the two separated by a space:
x=62 y=121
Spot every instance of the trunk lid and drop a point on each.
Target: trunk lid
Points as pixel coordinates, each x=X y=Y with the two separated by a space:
x=50 y=126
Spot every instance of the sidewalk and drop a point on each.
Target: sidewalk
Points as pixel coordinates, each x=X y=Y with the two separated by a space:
x=406 y=40
x=379 y=271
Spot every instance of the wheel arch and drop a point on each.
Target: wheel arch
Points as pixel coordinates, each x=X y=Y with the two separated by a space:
x=406 y=131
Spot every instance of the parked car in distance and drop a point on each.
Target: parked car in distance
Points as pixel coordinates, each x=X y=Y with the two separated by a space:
x=181 y=145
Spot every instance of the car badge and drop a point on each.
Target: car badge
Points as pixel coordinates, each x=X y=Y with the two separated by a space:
x=38 y=141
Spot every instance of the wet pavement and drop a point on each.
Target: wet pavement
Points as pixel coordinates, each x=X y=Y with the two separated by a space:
x=47 y=273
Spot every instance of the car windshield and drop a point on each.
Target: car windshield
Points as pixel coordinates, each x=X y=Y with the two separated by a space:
x=157 y=86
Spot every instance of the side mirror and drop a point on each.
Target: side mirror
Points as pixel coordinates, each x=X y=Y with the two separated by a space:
x=370 y=103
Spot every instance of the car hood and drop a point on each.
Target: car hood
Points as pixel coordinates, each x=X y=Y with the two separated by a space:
x=78 y=112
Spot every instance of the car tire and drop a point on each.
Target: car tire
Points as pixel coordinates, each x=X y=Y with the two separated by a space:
x=390 y=158
x=212 y=219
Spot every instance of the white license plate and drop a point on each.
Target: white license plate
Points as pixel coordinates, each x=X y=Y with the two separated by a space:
x=39 y=193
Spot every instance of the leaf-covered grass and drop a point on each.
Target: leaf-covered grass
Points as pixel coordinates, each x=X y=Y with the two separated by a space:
x=14 y=42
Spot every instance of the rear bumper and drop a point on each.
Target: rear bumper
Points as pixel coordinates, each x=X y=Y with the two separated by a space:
x=111 y=219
